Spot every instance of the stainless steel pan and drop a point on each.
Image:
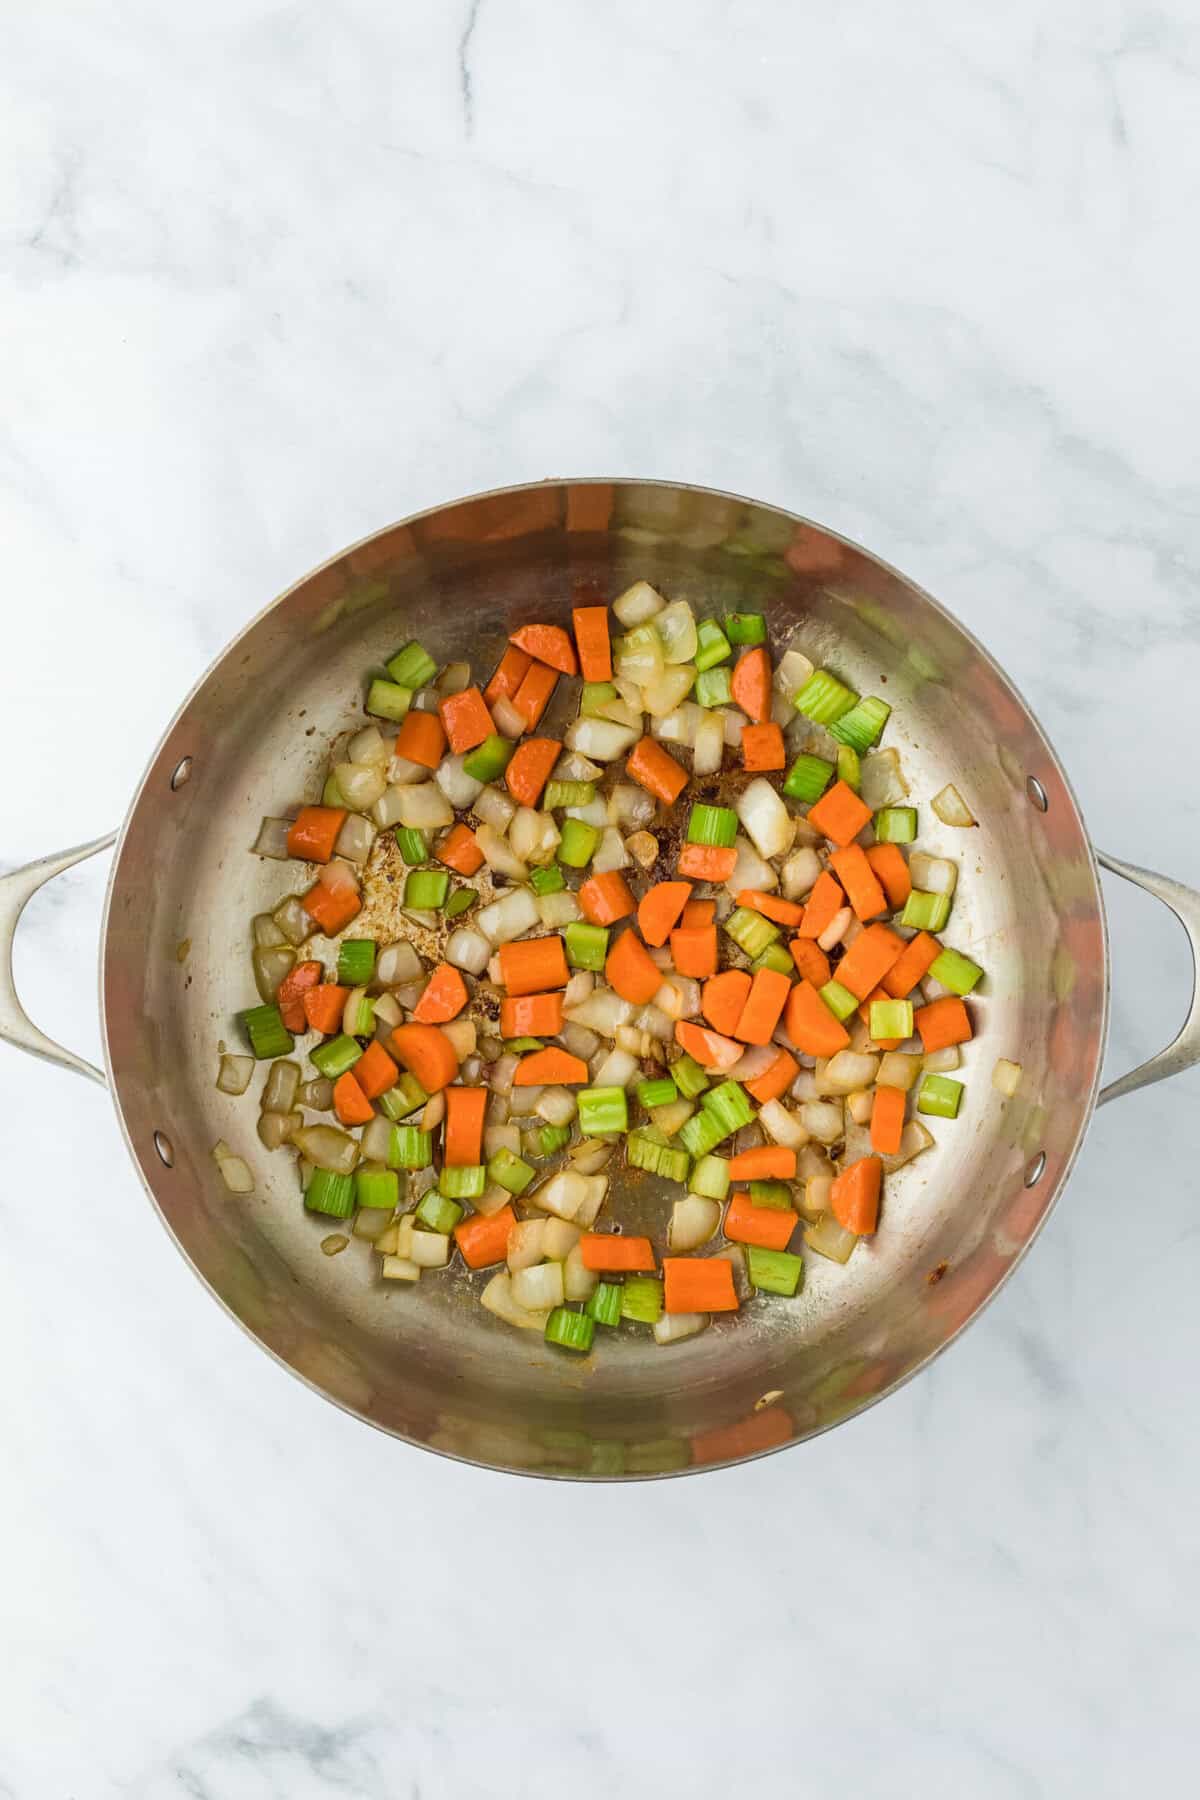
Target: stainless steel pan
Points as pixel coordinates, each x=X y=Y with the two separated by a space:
x=427 y=1364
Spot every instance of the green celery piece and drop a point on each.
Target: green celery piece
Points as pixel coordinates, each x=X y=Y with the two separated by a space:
x=440 y=1213
x=926 y=912
x=388 y=700
x=414 y=845
x=410 y=1148
x=329 y=1193
x=687 y=1075
x=356 y=961
x=895 y=825
x=377 y=1188
x=751 y=931
x=489 y=759
x=657 y=1093
x=586 y=945
x=412 y=666
x=510 y=1171
x=657 y=1159
x=331 y=793
x=460 y=902
x=940 y=1096
x=462 y=1181
x=862 y=725
x=710 y=1177
x=642 y=1299
x=595 y=695
x=266 y=1032
x=602 y=1110
x=701 y=1133
x=808 y=778
x=578 y=845
x=890 y=1019
x=745 y=628
x=955 y=971
x=774 y=1194
x=824 y=699
x=567 y=793
x=775 y=957
x=425 y=890
x=712 y=687
x=849 y=768
x=730 y=1105
x=404 y=1098
x=335 y=1056
x=774 y=1271
x=840 y=1001
x=712 y=646
x=547 y=881
x=715 y=826
x=570 y=1330
x=605 y=1303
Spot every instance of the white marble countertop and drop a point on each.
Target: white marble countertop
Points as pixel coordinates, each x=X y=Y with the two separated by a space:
x=275 y=275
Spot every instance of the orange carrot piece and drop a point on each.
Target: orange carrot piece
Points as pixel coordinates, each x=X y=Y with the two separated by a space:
x=462 y=1141
x=912 y=965
x=605 y=898
x=550 y=1068
x=783 y=912
x=891 y=872
x=483 y=1239
x=324 y=1006
x=942 y=1023
x=350 y=1103
x=750 y=684
x=531 y=1015
x=770 y=1162
x=533 y=696
x=607 y=1253
x=698 y=1284
x=860 y=882
x=659 y=909
x=722 y=999
x=631 y=970
x=694 y=950
x=824 y=904
x=706 y=862
x=375 y=1072
x=427 y=1053
x=708 y=1048
x=650 y=766
x=810 y=1024
x=764 y=1006
x=775 y=1080
x=593 y=642
x=313 y=832
x=811 y=960
x=510 y=673
x=289 y=996
x=332 y=909
x=698 y=912
x=459 y=851
x=768 y=1226
x=864 y=1013
x=533 y=966
x=868 y=959
x=529 y=769
x=547 y=644
x=762 y=747
x=421 y=739
x=839 y=814
x=465 y=719
x=887 y=1120
x=444 y=997
x=854 y=1199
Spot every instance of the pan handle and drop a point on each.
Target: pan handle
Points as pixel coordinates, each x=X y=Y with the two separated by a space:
x=1184 y=1050
x=16 y=890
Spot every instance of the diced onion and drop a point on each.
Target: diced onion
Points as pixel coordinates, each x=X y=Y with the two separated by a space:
x=830 y=1239
x=594 y=813
x=815 y=1196
x=951 y=808
x=617 y=1070
x=940 y=1062
x=593 y=1200
x=1006 y=1077
x=467 y=949
x=913 y=1140
x=783 y=1126
x=369 y=746
x=524 y=1249
x=734 y=723
x=678 y=997
x=462 y=1034
x=293 y=920
x=767 y=820
x=708 y=745
x=327 y=1148
x=397 y=964
x=589 y=1156
x=500 y=1137
x=630 y=807
x=433 y=1112
x=272 y=839
x=506 y=918
x=755 y=1060
x=533 y=836
x=270 y=967
x=265 y=932
x=280 y=1088
x=676 y=626
x=883 y=782
x=610 y=852
x=360 y=784
x=562 y=1195
x=499 y=855
x=694 y=1221
x=662 y=696
x=234 y=1172
x=750 y=871
x=637 y=604
x=600 y=738
x=671 y=1328
x=860 y=1105
x=579 y=1041
x=460 y=789
x=402 y=773
x=316 y=1095
x=497 y=1298
x=501 y=1073
x=233 y=1076
x=386 y=810
x=822 y=1120
x=573 y=767
x=425 y=808
x=557 y=910
x=579 y=1283
x=897 y=1070
x=355 y=838
x=847 y=1071
x=376 y=1139
x=800 y=871
x=602 y=1011
x=791 y=673
x=557 y=1106
x=932 y=874
x=679 y=726
x=494 y=808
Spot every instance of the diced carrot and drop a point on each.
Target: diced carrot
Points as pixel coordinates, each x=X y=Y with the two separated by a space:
x=314 y=831
x=465 y=719
x=694 y=950
x=483 y=1238
x=854 y=1199
x=708 y=1048
x=699 y=912
x=751 y=685
x=652 y=768
x=607 y=1253
x=775 y=1080
x=533 y=696
x=529 y=769
x=459 y=851
x=605 y=898
x=762 y=747
x=811 y=960
x=912 y=965
x=375 y=1072
x=462 y=1141
x=593 y=642
x=722 y=999
x=531 y=1015
x=350 y=1103
x=551 y=1067
x=783 y=912
x=547 y=644
x=839 y=814
x=706 y=862
x=891 y=871
x=444 y=997
x=810 y=1024
x=289 y=995
x=324 y=1006
x=533 y=966
x=860 y=882
x=887 y=1120
x=864 y=1013
x=942 y=1023
x=770 y=1162
x=332 y=908
x=868 y=959
x=764 y=1006
x=631 y=970
x=421 y=739
x=751 y=1436
x=768 y=1226
x=510 y=673
x=427 y=1053
x=698 y=1284
x=659 y=909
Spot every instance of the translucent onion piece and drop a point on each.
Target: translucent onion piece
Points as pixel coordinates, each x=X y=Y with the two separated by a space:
x=501 y=1073
x=500 y=1137
x=507 y=719
x=932 y=874
x=662 y=696
x=573 y=767
x=460 y=789
x=734 y=723
x=694 y=1221
x=594 y=813
x=800 y=872
x=1006 y=1077
x=846 y=1071
x=600 y=739
x=593 y=1200
x=563 y=1194
x=388 y=1012
x=234 y=1172
x=499 y=855
x=557 y=1106
x=602 y=1011
x=233 y=1076
x=430 y=1249
x=281 y=1087
x=637 y=604
x=360 y=784
x=815 y=1196
x=676 y=626
x=270 y=967
x=525 y=1244
x=506 y=918
x=630 y=806
x=462 y=1034
x=369 y=746
x=830 y=1239
x=327 y=1148
x=265 y=932
x=708 y=746
x=627 y=712
x=750 y=871
x=897 y=1070
x=590 y=1155
x=467 y=949
x=791 y=673
x=941 y=1062
x=579 y=1040
x=272 y=839
x=678 y=997
x=275 y=1129
x=376 y=1139
x=766 y=819
x=756 y=1059
x=399 y=1268
x=672 y=1328
x=813 y=1161
x=355 y=838
x=533 y=836
x=433 y=1112
x=578 y=988
x=823 y=1120
x=578 y=1283
x=425 y=808
x=783 y=1127
x=656 y=1023
x=525 y=1101
x=951 y=808
x=352 y=1008
x=679 y=726
x=402 y=773
x=610 y=852
x=497 y=1298
x=913 y=1140
x=371 y=1222
x=316 y=1095
x=883 y=782
x=559 y=1238
x=617 y=1070
x=860 y=1106
x=386 y=810
x=291 y=918
x=453 y=679
x=539 y=1288
x=643 y=848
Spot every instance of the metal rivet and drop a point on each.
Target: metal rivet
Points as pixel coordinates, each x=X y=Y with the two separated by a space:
x=180 y=774
x=1036 y=1169
x=1037 y=794
x=165 y=1148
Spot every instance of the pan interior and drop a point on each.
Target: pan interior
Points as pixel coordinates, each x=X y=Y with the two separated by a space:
x=426 y=1362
